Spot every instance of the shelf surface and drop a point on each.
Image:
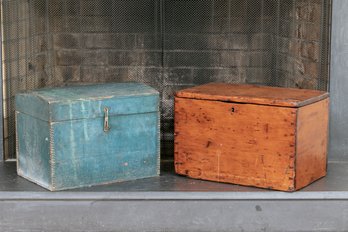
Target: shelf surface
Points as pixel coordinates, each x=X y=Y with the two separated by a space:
x=172 y=186
x=174 y=203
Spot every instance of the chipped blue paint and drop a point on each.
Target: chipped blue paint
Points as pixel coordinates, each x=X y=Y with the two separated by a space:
x=34 y=136
x=66 y=146
x=87 y=101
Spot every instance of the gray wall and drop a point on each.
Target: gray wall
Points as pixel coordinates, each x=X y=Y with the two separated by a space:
x=339 y=82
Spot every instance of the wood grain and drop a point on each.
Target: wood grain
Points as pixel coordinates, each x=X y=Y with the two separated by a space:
x=312 y=140
x=237 y=143
x=262 y=95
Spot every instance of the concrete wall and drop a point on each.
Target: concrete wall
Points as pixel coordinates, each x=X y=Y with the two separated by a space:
x=339 y=83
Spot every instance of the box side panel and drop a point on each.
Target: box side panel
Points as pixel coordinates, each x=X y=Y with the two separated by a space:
x=33 y=155
x=236 y=143
x=32 y=105
x=86 y=155
x=312 y=142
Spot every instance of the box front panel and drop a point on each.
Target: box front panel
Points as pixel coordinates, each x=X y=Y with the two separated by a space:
x=33 y=149
x=86 y=155
x=237 y=143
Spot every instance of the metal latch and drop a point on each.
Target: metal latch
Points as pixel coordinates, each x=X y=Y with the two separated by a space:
x=106 y=119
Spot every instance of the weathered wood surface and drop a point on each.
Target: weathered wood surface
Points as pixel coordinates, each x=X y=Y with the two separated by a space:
x=282 y=148
x=254 y=145
x=312 y=143
x=67 y=147
x=262 y=95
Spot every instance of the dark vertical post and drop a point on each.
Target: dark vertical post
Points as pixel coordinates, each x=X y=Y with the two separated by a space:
x=1 y=97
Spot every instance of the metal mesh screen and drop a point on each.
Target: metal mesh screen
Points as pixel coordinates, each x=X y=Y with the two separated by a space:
x=167 y=44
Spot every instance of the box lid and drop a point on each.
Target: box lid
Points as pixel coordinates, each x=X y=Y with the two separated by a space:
x=253 y=94
x=88 y=101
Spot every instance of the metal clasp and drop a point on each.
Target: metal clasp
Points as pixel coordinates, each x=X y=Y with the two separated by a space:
x=106 y=119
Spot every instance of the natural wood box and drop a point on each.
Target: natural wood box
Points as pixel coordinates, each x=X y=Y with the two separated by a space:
x=267 y=137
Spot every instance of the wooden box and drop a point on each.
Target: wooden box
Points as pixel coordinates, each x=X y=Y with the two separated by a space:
x=267 y=137
x=87 y=135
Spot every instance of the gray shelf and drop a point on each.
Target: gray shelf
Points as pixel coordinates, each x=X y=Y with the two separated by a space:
x=174 y=203
x=336 y=181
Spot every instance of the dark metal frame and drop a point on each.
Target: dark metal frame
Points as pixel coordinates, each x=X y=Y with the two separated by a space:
x=2 y=158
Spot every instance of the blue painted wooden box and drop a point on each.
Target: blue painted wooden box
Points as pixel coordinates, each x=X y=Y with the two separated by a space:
x=87 y=135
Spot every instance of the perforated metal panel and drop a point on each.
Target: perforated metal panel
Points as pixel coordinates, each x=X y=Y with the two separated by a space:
x=167 y=44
